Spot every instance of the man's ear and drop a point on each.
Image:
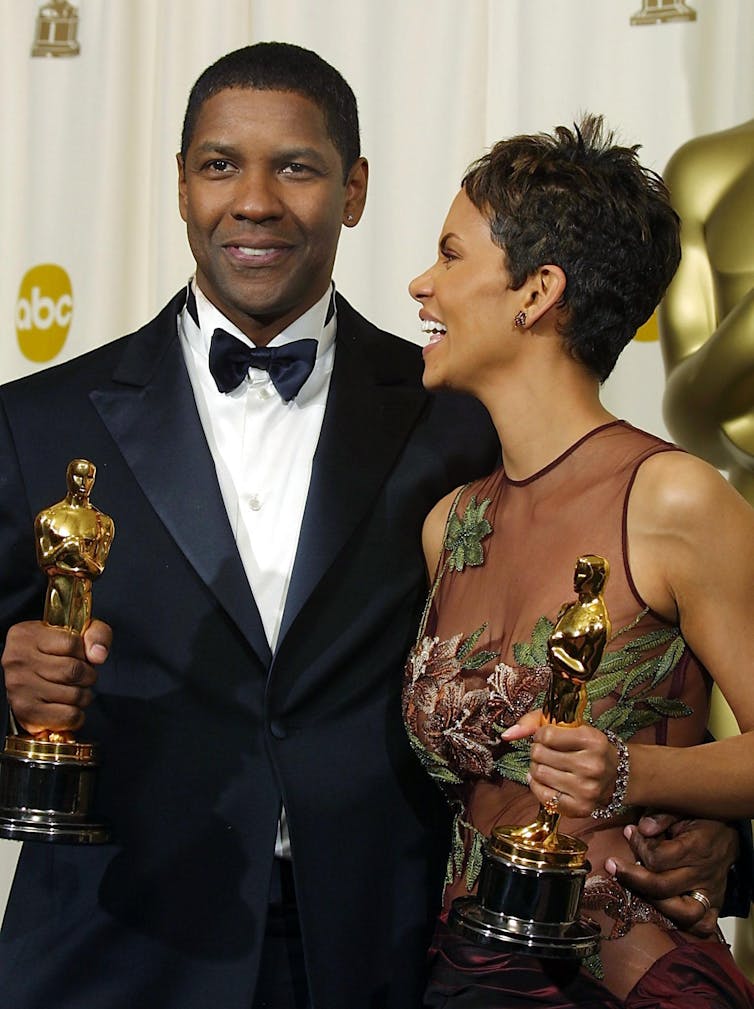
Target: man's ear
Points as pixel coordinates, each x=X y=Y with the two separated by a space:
x=544 y=289
x=181 y=186
x=356 y=192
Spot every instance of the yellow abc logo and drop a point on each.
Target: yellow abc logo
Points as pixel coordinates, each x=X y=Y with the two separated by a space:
x=649 y=332
x=43 y=311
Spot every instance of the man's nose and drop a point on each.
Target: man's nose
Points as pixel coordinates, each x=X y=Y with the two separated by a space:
x=256 y=197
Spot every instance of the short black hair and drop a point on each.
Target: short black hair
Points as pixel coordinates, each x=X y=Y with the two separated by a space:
x=279 y=66
x=575 y=199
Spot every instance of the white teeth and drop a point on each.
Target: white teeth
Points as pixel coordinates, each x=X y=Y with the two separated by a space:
x=252 y=252
x=432 y=326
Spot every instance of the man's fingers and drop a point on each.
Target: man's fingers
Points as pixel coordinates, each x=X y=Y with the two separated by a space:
x=659 y=855
x=98 y=638
x=35 y=637
x=689 y=914
x=647 y=884
x=48 y=679
x=654 y=824
x=55 y=717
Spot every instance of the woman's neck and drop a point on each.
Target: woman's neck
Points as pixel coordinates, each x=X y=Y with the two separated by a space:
x=540 y=412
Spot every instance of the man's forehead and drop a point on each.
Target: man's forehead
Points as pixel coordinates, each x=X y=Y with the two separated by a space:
x=284 y=100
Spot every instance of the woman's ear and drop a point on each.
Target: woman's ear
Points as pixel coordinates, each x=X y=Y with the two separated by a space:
x=544 y=289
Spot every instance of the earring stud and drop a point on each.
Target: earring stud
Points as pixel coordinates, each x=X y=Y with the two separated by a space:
x=520 y=319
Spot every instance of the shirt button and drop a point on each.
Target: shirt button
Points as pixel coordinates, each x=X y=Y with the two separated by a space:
x=278 y=729
x=255 y=502
x=264 y=393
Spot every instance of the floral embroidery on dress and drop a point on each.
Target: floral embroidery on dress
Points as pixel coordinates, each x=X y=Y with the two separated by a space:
x=625 y=908
x=456 y=725
x=463 y=536
x=466 y=850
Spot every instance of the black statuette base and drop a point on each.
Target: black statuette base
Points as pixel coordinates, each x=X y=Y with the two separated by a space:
x=532 y=910
x=48 y=800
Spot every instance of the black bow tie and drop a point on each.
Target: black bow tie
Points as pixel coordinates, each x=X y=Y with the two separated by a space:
x=289 y=366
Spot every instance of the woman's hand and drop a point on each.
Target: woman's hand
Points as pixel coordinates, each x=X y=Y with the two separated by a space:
x=575 y=765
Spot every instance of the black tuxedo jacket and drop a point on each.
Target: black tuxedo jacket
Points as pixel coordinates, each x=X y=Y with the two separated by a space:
x=203 y=732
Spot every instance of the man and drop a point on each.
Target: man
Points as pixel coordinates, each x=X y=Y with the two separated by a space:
x=263 y=590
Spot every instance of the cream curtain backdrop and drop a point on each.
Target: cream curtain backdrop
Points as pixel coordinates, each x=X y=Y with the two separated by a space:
x=88 y=177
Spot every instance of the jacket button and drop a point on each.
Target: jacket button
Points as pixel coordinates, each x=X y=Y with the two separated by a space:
x=278 y=730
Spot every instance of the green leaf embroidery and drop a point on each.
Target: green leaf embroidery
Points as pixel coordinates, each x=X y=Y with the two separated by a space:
x=670 y=707
x=534 y=653
x=514 y=763
x=669 y=660
x=436 y=766
x=463 y=540
x=475 y=859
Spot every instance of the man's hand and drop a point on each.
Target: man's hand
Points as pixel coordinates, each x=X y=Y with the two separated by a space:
x=49 y=673
x=674 y=857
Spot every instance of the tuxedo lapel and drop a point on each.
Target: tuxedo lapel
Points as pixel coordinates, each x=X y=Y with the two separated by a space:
x=369 y=415
x=150 y=412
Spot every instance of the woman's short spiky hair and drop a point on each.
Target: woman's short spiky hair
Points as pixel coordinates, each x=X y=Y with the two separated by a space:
x=576 y=200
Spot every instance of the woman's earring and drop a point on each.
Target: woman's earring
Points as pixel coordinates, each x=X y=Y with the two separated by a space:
x=520 y=319
x=349 y=218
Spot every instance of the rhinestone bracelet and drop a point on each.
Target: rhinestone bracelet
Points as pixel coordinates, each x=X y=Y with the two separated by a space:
x=615 y=805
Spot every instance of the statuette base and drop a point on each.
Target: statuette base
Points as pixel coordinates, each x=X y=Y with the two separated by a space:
x=47 y=792
x=528 y=897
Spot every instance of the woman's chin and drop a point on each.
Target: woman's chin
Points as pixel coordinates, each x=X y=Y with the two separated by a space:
x=430 y=379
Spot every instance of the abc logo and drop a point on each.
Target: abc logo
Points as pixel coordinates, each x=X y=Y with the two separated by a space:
x=649 y=332
x=43 y=311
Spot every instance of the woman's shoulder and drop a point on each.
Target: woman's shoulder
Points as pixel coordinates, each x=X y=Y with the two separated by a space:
x=676 y=487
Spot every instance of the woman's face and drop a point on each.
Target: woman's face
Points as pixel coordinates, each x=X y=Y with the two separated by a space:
x=468 y=308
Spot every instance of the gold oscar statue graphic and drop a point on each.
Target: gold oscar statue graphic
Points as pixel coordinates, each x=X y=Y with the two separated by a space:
x=707 y=316
x=57 y=26
x=706 y=323
x=654 y=12
x=47 y=779
x=532 y=878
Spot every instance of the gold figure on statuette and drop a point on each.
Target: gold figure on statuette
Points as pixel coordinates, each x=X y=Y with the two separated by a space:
x=73 y=539
x=575 y=649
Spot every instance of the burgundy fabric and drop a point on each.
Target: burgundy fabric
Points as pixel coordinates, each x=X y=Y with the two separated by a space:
x=693 y=976
x=466 y=976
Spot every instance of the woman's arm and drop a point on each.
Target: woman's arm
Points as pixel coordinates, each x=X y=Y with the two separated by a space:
x=691 y=550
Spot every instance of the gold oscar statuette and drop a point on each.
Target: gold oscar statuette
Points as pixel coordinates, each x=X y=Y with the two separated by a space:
x=532 y=877
x=47 y=779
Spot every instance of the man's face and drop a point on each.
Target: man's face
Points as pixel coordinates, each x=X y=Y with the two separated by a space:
x=263 y=197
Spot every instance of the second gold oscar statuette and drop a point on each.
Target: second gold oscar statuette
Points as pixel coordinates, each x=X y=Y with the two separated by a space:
x=532 y=878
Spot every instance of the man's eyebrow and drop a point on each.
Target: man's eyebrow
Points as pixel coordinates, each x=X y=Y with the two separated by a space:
x=215 y=147
x=301 y=154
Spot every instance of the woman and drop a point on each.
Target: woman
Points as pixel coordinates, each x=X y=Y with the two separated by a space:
x=556 y=249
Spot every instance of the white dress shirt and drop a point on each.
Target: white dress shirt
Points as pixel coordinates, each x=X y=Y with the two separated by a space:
x=263 y=449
